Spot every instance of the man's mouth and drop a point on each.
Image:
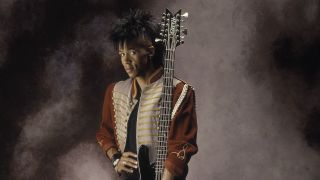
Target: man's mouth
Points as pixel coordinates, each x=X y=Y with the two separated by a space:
x=129 y=69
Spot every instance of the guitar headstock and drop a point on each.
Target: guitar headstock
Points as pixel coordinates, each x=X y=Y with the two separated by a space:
x=172 y=32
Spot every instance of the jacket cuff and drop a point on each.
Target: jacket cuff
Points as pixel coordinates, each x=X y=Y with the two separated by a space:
x=175 y=166
x=106 y=146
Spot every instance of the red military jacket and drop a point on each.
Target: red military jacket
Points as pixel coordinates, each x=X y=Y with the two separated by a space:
x=182 y=131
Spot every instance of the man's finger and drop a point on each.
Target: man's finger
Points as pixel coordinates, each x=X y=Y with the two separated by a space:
x=129 y=159
x=128 y=163
x=127 y=170
x=130 y=154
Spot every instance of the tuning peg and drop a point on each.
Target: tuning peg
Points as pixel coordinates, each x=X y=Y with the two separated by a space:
x=185 y=15
x=164 y=15
x=185 y=31
x=158 y=40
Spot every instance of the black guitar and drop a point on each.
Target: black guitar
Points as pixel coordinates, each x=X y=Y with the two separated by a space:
x=171 y=37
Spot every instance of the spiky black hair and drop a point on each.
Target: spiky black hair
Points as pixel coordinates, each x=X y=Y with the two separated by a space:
x=134 y=24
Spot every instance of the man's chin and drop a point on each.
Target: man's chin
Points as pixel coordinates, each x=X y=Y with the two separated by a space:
x=132 y=75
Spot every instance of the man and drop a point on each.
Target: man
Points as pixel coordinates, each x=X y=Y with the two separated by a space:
x=131 y=108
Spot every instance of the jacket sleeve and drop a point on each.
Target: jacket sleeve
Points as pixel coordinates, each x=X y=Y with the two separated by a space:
x=105 y=135
x=182 y=137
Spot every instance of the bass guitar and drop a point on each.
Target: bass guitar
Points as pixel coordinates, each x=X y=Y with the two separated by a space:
x=171 y=35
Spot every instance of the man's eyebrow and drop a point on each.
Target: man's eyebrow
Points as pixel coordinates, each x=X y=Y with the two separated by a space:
x=121 y=50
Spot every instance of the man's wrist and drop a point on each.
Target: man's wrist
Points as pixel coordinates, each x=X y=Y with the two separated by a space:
x=110 y=152
x=115 y=158
x=115 y=162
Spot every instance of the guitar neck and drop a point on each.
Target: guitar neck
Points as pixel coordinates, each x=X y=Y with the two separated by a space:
x=165 y=112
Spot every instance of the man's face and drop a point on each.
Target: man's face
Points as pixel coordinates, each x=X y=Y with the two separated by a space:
x=134 y=58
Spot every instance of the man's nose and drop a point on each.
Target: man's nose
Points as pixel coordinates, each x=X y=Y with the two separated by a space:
x=126 y=59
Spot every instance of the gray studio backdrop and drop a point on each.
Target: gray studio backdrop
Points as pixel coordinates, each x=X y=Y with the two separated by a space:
x=250 y=114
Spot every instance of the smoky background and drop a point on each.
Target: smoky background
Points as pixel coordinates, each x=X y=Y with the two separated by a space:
x=254 y=66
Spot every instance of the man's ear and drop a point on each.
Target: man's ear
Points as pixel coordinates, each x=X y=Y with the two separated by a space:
x=151 y=50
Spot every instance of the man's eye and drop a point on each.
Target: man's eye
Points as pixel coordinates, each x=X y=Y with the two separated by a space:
x=121 y=54
x=132 y=52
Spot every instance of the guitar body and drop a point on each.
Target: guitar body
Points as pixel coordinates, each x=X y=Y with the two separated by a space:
x=146 y=171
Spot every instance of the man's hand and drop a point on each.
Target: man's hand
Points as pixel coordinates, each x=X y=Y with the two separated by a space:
x=167 y=175
x=127 y=163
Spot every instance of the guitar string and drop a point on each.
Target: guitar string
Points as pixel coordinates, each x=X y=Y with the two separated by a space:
x=168 y=92
x=164 y=110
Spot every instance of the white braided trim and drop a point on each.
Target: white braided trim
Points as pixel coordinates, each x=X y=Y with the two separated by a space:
x=179 y=101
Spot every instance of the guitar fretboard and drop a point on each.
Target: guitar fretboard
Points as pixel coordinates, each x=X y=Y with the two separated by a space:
x=165 y=112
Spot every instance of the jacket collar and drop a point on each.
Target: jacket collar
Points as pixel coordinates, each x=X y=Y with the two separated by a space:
x=135 y=89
